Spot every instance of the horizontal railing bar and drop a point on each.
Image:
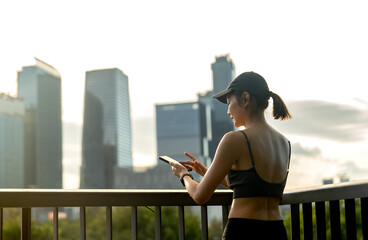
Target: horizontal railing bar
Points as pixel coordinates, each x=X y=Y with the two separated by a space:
x=25 y=198
x=330 y=192
x=77 y=198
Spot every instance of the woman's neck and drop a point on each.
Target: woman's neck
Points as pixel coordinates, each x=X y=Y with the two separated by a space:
x=254 y=119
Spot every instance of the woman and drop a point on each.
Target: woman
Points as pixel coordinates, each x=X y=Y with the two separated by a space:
x=253 y=162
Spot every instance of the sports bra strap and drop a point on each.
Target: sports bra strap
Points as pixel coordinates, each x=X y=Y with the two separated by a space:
x=250 y=150
x=289 y=155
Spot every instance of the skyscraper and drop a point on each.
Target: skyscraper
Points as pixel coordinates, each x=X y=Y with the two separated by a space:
x=180 y=127
x=40 y=88
x=223 y=72
x=107 y=141
x=11 y=142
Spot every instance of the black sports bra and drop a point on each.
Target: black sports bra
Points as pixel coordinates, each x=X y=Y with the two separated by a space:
x=247 y=183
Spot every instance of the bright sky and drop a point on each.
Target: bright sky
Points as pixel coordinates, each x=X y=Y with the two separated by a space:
x=307 y=51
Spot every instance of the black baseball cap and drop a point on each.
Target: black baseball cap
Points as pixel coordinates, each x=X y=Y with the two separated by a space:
x=246 y=82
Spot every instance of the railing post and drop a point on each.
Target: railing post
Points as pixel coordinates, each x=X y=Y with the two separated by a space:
x=56 y=223
x=204 y=222
x=225 y=214
x=108 y=223
x=158 y=222
x=321 y=220
x=295 y=221
x=364 y=212
x=181 y=223
x=82 y=223
x=350 y=220
x=26 y=224
x=307 y=221
x=1 y=224
x=335 y=220
x=134 y=222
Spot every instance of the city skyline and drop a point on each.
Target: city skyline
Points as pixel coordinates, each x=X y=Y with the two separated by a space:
x=314 y=55
x=304 y=150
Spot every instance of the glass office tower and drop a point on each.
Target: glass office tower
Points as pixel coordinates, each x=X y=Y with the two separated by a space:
x=223 y=72
x=11 y=142
x=181 y=127
x=107 y=141
x=40 y=88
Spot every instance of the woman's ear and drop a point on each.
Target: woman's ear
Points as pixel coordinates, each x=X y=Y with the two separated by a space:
x=245 y=98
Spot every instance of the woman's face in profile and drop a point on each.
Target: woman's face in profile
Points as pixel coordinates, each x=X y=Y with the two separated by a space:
x=235 y=111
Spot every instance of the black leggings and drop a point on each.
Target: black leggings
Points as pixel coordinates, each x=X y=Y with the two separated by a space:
x=243 y=228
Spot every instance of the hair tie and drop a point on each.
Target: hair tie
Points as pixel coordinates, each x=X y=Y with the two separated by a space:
x=270 y=93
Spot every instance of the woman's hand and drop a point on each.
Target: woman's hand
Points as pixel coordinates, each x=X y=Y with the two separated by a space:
x=195 y=165
x=178 y=169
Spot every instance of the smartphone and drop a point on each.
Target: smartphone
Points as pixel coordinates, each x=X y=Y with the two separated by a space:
x=168 y=159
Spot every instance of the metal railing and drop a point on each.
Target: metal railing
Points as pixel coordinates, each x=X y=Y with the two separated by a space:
x=332 y=196
x=304 y=199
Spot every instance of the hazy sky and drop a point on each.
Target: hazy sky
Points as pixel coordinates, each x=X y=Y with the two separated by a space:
x=314 y=54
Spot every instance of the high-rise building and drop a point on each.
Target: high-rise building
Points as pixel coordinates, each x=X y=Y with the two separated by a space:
x=107 y=141
x=40 y=88
x=11 y=142
x=181 y=127
x=206 y=100
x=223 y=72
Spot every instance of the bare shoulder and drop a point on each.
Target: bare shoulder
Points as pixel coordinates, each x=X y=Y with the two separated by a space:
x=233 y=137
x=231 y=145
x=281 y=137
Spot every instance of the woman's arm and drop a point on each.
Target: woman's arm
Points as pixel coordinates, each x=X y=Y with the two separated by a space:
x=226 y=155
x=198 y=167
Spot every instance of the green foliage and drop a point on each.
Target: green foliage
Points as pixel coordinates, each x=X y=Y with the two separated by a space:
x=41 y=231
x=11 y=230
x=215 y=229
x=192 y=225
x=11 y=225
x=69 y=229
x=121 y=223
x=96 y=223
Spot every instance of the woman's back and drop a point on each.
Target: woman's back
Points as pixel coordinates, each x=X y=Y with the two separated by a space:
x=270 y=151
x=259 y=175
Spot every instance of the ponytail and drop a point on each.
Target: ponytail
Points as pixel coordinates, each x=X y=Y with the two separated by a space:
x=280 y=110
